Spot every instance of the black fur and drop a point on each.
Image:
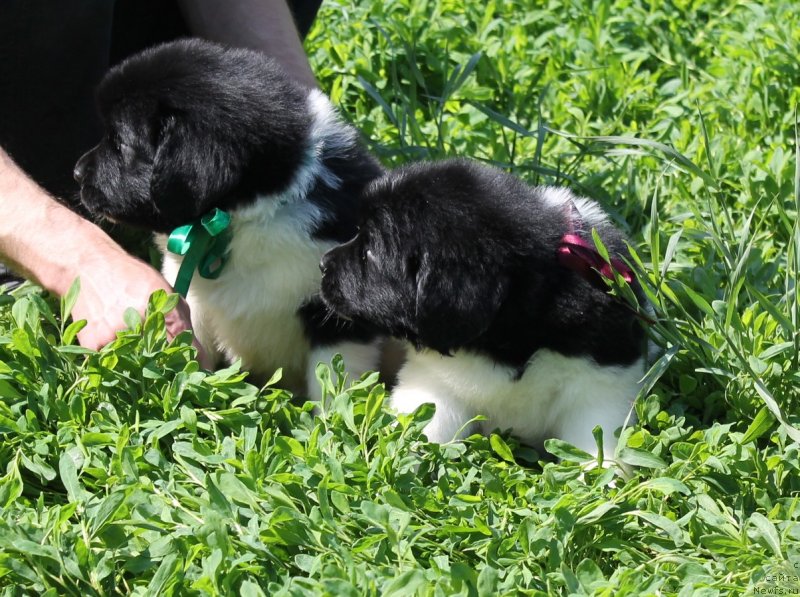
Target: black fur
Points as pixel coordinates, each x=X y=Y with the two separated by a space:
x=191 y=125
x=323 y=328
x=457 y=255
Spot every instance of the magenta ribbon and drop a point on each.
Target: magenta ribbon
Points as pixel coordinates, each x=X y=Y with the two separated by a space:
x=578 y=255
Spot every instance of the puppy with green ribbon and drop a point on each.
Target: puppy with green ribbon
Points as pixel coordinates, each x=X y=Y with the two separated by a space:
x=247 y=179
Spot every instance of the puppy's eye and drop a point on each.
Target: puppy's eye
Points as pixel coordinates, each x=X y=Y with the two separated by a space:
x=368 y=255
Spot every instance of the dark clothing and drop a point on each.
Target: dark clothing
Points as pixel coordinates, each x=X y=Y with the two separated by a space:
x=52 y=54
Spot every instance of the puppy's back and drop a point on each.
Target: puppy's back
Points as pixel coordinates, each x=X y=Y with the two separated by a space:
x=466 y=215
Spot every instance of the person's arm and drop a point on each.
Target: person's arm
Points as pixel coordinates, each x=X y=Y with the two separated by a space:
x=264 y=25
x=51 y=244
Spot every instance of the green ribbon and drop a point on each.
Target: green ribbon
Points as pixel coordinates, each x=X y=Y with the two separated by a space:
x=204 y=247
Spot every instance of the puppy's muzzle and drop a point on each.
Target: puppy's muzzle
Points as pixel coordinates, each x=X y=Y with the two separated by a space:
x=330 y=288
x=328 y=261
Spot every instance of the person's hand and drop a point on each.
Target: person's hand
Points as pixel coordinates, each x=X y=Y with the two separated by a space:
x=110 y=283
x=47 y=242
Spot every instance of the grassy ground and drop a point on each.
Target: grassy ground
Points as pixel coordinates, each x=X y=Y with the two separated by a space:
x=130 y=471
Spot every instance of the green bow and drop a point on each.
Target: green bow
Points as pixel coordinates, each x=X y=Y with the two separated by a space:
x=204 y=246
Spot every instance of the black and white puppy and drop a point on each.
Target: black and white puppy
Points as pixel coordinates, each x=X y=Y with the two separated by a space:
x=483 y=275
x=191 y=126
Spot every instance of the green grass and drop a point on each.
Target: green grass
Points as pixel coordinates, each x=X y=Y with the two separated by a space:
x=130 y=471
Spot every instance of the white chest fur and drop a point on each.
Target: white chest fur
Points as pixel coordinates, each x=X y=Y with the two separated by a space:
x=250 y=311
x=557 y=396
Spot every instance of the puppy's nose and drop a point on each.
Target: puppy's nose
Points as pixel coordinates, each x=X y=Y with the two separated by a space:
x=325 y=263
x=80 y=168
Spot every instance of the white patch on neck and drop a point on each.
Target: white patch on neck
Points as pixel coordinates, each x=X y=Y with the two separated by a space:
x=591 y=213
x=250 y=311
x=330 y=135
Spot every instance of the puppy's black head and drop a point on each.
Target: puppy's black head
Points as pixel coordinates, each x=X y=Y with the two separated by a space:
x=190 y=126
x=433 y=259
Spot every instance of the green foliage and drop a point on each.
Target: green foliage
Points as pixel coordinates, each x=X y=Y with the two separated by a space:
x=132 y=471
x=679 y=118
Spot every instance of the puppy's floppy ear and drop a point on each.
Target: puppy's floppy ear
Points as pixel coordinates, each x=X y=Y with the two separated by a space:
x=456 y=301
x=189 y=173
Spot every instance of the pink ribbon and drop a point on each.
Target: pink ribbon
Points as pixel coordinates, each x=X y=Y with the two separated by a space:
x=578 y=255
